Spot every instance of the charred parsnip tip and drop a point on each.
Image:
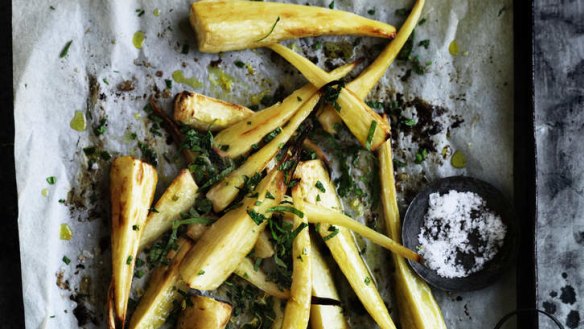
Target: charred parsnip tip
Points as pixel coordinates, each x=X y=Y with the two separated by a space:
x=318 y=214
x=240 y=137
x=298 y=307
x=416 y=304
x=225 y=244
x=207 y=113
x=178 y=198
x=226 y=190
x=367 y=126
x=132 y=184
x=341 y=242
x=164 y=290
x=323 y=285
x=233 y=25
x=204 y=313
x=258 y=278
x=365 y=82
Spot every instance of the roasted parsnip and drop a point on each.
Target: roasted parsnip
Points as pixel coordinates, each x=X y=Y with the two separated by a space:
x=320 y=214
x=226 y=190
x=416 y=304
x=207 y=113
x=324 y=316
x=204 y=313
x=178 y=198
x=263 y=247
x=341 y=241
x=163 y=291
x=233 y=25
x=367 y=126
x=240 y=137
x=225 y=244
x=259 y=279
x=365 y=82
x=132 y=184
x=297 y=309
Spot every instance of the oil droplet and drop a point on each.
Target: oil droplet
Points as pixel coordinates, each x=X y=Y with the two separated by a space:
x=78 y=122
x=45 y=192
x=453 y=48
x=65 y=232
x=156 y=12
x=179 y=77
x=219 y=78
x=138 y=39
x=458 y=160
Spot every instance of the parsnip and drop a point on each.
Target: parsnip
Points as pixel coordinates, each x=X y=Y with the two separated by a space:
x=324 y=316
x=319 y=214
x=342 y=245
x=225 y=191
x=297 y=309
x=365 y=82
x=132 y=184
x=367 y=126
x=416 y=304
x=224 y=245
x=178 y=198
x=239 y=138
x=207 y=113
x=263 y=247
x=258 y=278
x=233 y=25
x=204 y=313
x=163 y=291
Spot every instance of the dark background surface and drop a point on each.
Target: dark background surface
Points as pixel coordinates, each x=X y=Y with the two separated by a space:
x=11 y=308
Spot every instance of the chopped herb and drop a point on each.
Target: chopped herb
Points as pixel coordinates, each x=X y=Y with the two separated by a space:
x=51 y=180
x=299 y=98
x=424 y=43
x=318 y=198
x=65 y=49
x=239 y=64
x=270 y=196
x=320 y=186
x=332 y=91
x=332 y=4
x=287 y=209
x=370 y=135
x=375 y=105
x=136 y=227
x=139 y=274
x=269 y=137
x=201 y=272
x=224 y=148
x=185 y=49
x=168 y=83
x=367 y=280
x=139 y=262
x=421 y=155
x=66 y=260
x=398 y=163
x=406 y=51
x=256 y=217
x=422 y=21
x=410 y=122
x=105 y=81
x=271 y=30
x=148 y=153
x=129 y=260
x=293 y=182
x=52 y=8
x=258 y=203
x=371 y=11
x=101 y=127
x=61 y=200
x=140 y=12
x=334 y=231
x=317 y=45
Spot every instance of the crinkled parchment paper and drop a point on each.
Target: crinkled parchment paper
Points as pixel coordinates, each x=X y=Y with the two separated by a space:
x=104 y=76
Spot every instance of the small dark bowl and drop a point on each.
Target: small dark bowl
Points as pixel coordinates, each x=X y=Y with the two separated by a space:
x=495 y=201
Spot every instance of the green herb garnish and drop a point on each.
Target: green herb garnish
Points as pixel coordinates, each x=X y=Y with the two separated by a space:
x=370 y=135
x=287 y=209
x=320 y=186
x=421 y=155
x=256 y=217
x=51 y=180
x=66 y=260
x=334 y=231
x=65 y=49
x=271 y=30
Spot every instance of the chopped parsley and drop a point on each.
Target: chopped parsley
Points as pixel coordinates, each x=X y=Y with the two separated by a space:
x=371 y=11
x=65 y=49
x=201 y=272
x=270 y=136
x=148 y=154
x=168 y=83
x=239 y=64
x=51 y=180
x=291 y=210
x=320 y=186
x=424 y=43
x=271 y=30
x=101 y=128
x=66 y=260
x=256 y=217
x=410 y=122
x=367 y=280
x=129 y=260
x=136 y=227
x=421 y=155
x=370 y=135
x=334 y=231
x=332 y=90
x=140 y=12
x=332 y=4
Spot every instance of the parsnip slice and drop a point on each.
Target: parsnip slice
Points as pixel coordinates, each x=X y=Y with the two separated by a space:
x=259 y=279
x=343 y=247
x=178 y=198
x=163 y=291
x=241 y=136
x=132 y=184
x=367 y=126
x=204 y=313
x=225 y=191
x=233 y=25
x=225 y=244
x=207 y=113
x=297 y=309
x=416 y=304
x=323 y=285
